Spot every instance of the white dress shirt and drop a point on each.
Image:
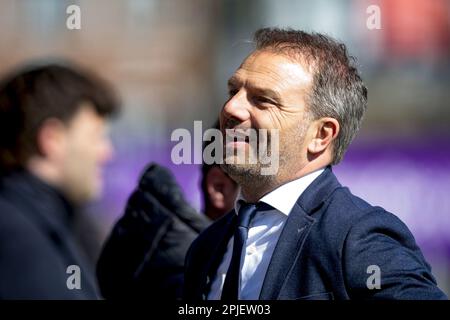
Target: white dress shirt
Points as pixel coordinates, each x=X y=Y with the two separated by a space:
x=264 y=231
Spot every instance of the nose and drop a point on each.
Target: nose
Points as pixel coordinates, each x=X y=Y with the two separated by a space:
x=237 y=108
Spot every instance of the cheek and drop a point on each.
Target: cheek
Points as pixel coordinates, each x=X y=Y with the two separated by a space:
x=265 y=119
x=274 y=118
x=84 y=151
x=293 y=138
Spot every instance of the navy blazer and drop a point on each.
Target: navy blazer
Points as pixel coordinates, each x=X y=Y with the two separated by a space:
x=325 y=251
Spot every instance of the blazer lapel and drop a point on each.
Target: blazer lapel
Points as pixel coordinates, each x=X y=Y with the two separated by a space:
x=219 y=245
x=295 y=231
x=292 y=237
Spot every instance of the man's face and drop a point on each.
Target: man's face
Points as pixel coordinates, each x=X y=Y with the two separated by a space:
x=268 y=92
x=86 y=149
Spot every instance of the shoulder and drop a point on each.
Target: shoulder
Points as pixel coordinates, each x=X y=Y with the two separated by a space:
x=24 y=245
x=367 y=241
x=207 y=241
x=212 y=233
x=343 y=211
x=13 y=222
x=351 y=212
x=371 y=236
x=25 y=239
x=200 y=253
x=18 y=232
x=347 y=222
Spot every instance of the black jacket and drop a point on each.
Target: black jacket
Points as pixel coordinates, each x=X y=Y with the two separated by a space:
x=37 y=244
x=144 y=255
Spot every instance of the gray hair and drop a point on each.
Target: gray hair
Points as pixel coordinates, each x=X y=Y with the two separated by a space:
x=337 y=91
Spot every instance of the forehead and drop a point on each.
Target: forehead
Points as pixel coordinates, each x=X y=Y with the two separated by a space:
x=273 y=69
x=86 y=116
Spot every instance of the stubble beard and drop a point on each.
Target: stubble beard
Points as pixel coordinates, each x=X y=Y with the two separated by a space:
x=248 y=176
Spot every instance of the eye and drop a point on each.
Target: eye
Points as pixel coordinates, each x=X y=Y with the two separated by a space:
x=263 y=100
x=232 y=92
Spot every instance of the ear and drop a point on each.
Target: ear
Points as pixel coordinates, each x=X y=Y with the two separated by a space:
x=51 y=139
x=324 y=131
x=220 y=188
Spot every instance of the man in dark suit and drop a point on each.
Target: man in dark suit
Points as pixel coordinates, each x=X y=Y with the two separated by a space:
x=297 y=233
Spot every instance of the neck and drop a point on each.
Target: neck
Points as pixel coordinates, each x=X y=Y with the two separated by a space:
x=44 y=171
x=254 y=191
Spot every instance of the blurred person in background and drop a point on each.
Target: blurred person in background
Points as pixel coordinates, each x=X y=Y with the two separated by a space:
x=145 y=253
x=53 y=145
x=218 y=189
x=298 y=233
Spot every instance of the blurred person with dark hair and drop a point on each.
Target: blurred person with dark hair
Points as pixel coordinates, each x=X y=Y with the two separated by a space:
x=145 y=253
x=53 y=145
x=297 y=233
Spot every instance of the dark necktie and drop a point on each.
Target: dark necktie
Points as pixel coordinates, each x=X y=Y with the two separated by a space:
x=231 y=286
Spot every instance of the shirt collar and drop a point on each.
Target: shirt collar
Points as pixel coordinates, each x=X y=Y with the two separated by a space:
x=285 y=196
